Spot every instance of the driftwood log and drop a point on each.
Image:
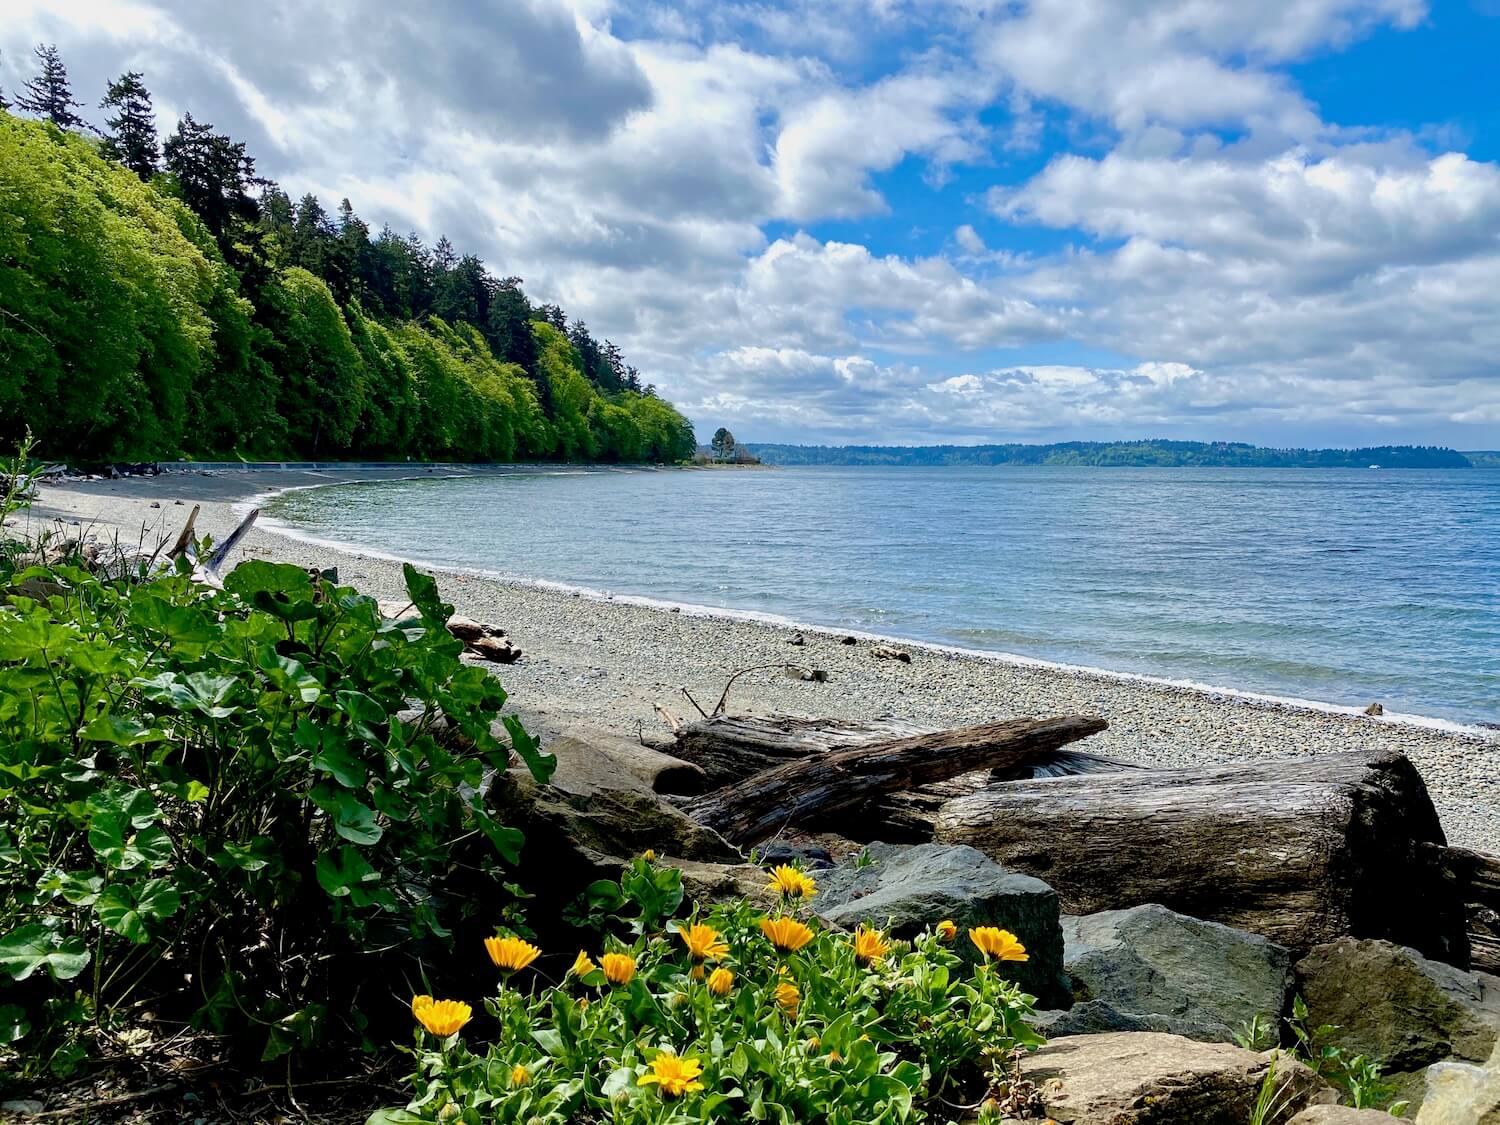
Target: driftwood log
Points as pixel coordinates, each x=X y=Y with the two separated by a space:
x=753 y=810
x=1302 y=850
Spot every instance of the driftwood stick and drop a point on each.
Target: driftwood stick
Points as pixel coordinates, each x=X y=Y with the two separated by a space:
x=749 y=812
x=186 y=538
x=221 y=552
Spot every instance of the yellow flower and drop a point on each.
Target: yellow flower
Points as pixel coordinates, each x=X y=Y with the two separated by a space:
x=703 y=942
x=511 y=954
x=946 y=930
x=441 y=1017
x=788 y=997
x=673 y=1075
x=868 y=945
x=618 y=967
x=786 y=934
x=649 y=855
x=519 y=1075
x=582 y=965
x=792 y=883
x=720 y=981
x=999 y=944
x=833 y=1056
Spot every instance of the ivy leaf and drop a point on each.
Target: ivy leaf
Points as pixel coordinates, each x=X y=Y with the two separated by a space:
x=158 y=899
x=355 y=822
x=341 y=872
x=530 y=749
x=290 y=676
x=24 y=951
x=335 y=759
x=117 y=911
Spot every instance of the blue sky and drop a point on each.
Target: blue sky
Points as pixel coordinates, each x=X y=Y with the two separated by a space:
x=914 y=220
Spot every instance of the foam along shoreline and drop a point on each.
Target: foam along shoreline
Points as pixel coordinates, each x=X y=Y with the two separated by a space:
x=605 y=659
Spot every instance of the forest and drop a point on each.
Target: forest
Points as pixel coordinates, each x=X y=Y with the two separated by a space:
x=160 y=299
x=1216 y=454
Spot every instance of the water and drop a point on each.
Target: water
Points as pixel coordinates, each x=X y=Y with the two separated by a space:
x=1343 y=586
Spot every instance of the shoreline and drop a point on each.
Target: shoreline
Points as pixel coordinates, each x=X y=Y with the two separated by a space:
x=602 y=659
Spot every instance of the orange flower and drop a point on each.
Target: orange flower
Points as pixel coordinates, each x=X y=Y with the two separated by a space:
x=619 y=968
x=999 y=944
x=441 y=1017
x=703 y=942
x=791 y=883
x=946 y=930
x=720 y=981
x=786 y=934
x=511 y=954
x=582 y=965
x=869 y=947
x=788 y=997
x=672 y=1075
x=519 y=1075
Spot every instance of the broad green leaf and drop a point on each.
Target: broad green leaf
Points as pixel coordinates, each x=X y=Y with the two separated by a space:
x=290 y=676
x=257 y=576
x=158 y=899
x=121 y=730
x=117 y=911
x=181 y=624
x=355 y=822
x=423 y=591
x=13 y=1023
x=340 y=873
x=33 y=947
x=336 y=759
x=541 y=765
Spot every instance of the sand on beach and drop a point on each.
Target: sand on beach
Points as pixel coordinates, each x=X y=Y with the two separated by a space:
x=605 y=662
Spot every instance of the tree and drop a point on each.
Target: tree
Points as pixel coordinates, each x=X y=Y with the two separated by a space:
x=132 y=131
x=214 y=177
x=722 y=444
x=48 y=95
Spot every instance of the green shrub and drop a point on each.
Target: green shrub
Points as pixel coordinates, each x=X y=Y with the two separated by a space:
x=212 y=812
x=844 y=1029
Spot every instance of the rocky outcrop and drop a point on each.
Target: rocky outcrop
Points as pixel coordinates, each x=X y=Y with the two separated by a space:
x=904 y=888
x=1145 y=1077
x=1462 y=1094
x=1190 y=977
x=1395 y=1005
x=1341 y=1115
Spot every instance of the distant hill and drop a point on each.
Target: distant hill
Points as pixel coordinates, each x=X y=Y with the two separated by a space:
x=1228 y=454
x=1483 y=458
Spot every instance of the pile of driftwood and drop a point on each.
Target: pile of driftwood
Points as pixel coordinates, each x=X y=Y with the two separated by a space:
x=1302 y=849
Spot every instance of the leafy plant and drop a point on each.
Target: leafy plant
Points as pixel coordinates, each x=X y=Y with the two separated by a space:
x=1359 y=1076
x=1256 y=1034
x=711 y=1020
x=224 y=807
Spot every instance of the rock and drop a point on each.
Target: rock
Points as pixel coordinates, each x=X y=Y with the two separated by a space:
x=886 y=652
x=155 y=504
x=1394 y=1005
x=1096 y=1017
x=909 y=887
x=1143 y=1077
x=589 y=760
x=1201 y=978
x=809 y=856
x=26 y=1107
x=1374 y=709
x=815 y=675
x=850 y=641
x=797 y=639
x=1462 y=1094
x=724 y=882
x=177 y=503
x=1340 y=1115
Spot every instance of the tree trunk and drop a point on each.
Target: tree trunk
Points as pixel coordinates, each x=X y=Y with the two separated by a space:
x=1302 y=850
x=757 y=808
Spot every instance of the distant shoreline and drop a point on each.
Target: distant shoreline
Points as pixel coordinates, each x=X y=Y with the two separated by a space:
x=606 y=661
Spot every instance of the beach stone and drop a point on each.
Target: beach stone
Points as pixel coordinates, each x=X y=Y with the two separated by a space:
x=1462 y=1093
x=886 y=652
x=1202 y=978
x=724 y=882
x=1144 y=1077
x=1097 y=1017
x=810 y=857
x=1340 y=1115
x=906 y=888
x=1393 y=1004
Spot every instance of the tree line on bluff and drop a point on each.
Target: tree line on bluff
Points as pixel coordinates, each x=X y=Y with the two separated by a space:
x=159 y=299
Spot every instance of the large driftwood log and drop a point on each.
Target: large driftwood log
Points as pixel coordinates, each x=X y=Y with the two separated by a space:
x=1477 y=879
x=757 y=808
x=1302 y=850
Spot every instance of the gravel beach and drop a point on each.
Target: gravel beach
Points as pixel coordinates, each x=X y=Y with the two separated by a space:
x=606 y=661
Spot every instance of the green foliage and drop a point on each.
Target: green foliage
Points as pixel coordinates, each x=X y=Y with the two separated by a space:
x=813 y=1037
x=1359 y=1076
x=1220 y=454
x=211 y=807
x=126 y=335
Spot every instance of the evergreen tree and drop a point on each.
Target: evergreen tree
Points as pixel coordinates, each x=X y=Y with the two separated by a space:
x=214 y=177
x=351 y=257
x=312 y=237
x=722 y=444
x=48 y=95
x=132 y=131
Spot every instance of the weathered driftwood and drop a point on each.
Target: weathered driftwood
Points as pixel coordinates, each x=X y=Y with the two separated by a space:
x=752 y=810
x=1302 y=850
x=1476 y=878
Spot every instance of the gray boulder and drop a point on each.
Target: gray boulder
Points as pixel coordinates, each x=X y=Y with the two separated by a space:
x=1394 y=1005
x=1198 y=979
x=1144 y=1078
x=1341 y=1115
x=908 y=887
x=1462 y=1093
x=1096 y=1017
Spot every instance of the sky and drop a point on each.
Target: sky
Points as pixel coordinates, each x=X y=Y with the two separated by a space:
x=897 y=221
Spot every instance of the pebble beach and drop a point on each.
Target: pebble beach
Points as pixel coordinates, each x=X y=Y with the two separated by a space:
x=600 y=661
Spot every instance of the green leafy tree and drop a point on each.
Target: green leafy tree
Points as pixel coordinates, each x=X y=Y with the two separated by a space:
x=49 y=95
x=321 y=378
x=722 y=444
x=132 y=130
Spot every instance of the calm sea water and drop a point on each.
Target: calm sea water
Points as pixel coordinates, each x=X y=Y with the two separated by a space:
x=1343 y=586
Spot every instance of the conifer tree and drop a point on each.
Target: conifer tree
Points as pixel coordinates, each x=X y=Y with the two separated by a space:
x=48 y=95
x=132 y=131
